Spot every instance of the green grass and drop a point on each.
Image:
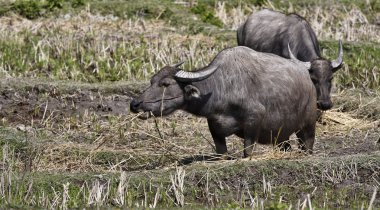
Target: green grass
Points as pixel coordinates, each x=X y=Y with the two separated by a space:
x=75 y=60
x=33 y=9
x=361 y=61
x=84 y=60
x=275 y=183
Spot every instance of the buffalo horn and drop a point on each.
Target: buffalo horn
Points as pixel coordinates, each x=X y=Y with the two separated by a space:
x=338 y=62
x=293 y=58
x=187 y=76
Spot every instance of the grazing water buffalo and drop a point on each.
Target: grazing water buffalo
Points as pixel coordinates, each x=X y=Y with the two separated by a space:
x=260 y=97
x=270 y=31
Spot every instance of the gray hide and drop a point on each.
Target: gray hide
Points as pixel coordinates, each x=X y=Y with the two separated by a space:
x=260 y=97
x=272 y=32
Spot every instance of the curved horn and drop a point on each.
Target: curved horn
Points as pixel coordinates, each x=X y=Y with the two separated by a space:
x=178 y=64
x=337 y=63
x=187 y=76
x=293 y=58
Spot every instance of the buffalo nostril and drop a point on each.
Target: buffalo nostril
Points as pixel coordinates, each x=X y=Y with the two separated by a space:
x=324 y=105
x=328 y=105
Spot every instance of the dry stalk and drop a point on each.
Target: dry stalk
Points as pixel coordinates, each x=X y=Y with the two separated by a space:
x=54 y=203
x=98 y=193
x=370 y=207
x=122 y=189
x=177 y=186
x=65 y=196
x=309 y=202
x=267 y=187
x=156 y=198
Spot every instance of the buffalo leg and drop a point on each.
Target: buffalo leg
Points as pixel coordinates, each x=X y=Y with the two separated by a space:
x=248 y=147
x=252 y=128
x=285 y=146
x=250 y=137
x=219 y=140
x=306 y=138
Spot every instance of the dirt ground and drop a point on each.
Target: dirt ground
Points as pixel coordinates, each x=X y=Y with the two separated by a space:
x=20 y=103
x=36 y=105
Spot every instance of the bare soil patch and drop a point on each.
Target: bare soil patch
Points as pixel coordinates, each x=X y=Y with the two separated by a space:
x=21 y=102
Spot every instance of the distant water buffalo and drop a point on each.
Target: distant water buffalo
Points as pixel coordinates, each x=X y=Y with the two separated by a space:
x=260 y=97
x=270 y=31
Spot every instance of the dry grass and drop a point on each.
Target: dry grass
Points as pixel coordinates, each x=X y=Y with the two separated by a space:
x=343 y=122
x=182 y=136
x=127 y=143
x=350 y=25
x=331 y=23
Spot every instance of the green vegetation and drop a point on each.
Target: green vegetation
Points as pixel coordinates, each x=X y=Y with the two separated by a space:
x=38 y=8
x=206 y=15
x=85 y=60
x=361 y=61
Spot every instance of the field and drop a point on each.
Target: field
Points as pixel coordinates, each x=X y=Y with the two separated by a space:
x=69 y=69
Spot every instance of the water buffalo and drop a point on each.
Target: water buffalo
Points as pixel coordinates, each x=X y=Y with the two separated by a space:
x=260 y=97
x=270 y=31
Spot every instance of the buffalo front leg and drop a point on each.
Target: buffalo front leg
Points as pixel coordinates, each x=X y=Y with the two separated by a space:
x=219 y=139
x=306 y=138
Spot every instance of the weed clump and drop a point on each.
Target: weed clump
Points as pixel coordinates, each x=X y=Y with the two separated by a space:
x=207 y=15
x=28 y=9
x=33 y=9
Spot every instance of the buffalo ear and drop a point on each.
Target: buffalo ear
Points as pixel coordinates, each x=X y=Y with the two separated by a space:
x=192 y=92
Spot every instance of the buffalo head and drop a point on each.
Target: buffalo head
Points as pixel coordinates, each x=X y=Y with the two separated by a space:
x=169 y=90
x=321 y=74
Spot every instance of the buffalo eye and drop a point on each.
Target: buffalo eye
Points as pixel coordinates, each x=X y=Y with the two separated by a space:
x=165 y=84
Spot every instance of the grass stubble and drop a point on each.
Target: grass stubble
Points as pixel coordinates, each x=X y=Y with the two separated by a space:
x=99 y=159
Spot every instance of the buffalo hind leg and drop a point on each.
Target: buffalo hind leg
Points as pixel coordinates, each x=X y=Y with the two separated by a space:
x=219 y=140
x=251 y=135
x=306 y=138
x=248 y=142
x=252 y=128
